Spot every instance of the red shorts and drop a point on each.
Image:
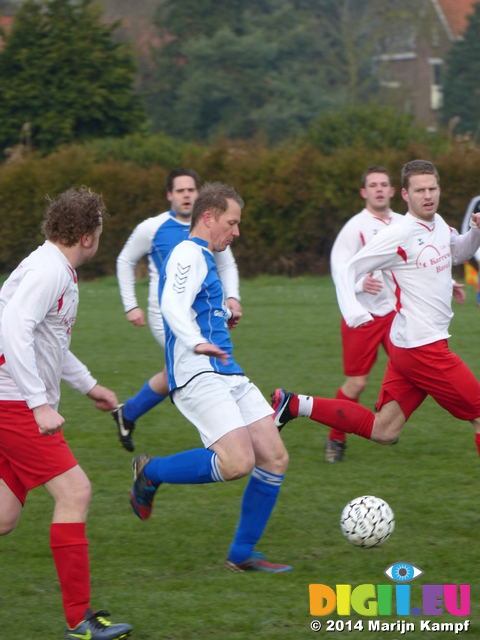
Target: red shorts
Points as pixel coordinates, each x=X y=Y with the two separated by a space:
x=27 y=458
x=432 y=370
x=360 y=345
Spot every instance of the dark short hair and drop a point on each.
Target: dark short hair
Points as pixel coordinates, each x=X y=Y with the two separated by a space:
x=178 y=173
x=213 y=197
x=375 y=168
x=417 y=168
x=71 y=215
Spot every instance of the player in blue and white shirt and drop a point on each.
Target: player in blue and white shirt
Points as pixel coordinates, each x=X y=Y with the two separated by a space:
x=206 y=384
x=154 y=238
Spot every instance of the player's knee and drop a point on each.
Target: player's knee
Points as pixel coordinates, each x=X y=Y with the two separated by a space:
x=280 y=461
x=8 y=524
x=386 y=437
x=238 y=468
x=354 y=387
x=384 y=440
x=80 y=493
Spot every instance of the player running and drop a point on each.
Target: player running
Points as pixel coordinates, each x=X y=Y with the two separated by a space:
x=154 y=238
x=38 y=306
x=361 y=344
x=233 y=418
x=417 y=254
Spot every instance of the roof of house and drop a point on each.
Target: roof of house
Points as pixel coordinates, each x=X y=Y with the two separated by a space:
x=454 y=14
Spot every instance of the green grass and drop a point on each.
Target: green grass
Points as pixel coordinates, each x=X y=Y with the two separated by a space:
x=165 y=576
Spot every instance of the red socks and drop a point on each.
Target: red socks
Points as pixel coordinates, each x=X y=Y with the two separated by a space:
x=344 y=415
x=477 y=442
x=70 y=551
x=336 y=434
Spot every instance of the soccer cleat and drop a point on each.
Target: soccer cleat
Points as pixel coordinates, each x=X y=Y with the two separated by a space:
x=95 y=627
x=334 y=450
x=143 y=491
x=256 y=562
x=280 y=403
x=125 y=428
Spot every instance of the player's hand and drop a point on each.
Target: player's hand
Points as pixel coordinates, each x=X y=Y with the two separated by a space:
x=49 y=421
x=475 y=220
x=372 y=285
x=104 y=398
x=236 y=308
x=208 y=349
x=136 y=317
x=458 y=293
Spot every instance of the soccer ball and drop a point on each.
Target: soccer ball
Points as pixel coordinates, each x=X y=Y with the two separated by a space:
x=367 y=521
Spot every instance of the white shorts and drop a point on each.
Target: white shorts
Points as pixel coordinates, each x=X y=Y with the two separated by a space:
x=217 y=404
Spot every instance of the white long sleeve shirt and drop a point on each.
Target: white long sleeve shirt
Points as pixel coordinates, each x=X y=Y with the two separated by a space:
x=472 y=205
x=416 y=258
x=38 y=307
x=154 y=238
x=353 y=236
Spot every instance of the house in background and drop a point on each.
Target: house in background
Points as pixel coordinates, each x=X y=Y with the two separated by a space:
x=412 y=65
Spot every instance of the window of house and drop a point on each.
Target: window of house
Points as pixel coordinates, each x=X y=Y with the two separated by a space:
x=436 y=89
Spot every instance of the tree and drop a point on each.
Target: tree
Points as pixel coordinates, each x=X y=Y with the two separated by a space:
x=63 y=77
x=265 y=66
x=462 y=79
x=370 y=126
x=239 y=69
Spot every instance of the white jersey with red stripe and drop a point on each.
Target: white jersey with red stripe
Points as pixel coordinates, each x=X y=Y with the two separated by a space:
x=356 y=233
x=416 y=257
x=38 y=307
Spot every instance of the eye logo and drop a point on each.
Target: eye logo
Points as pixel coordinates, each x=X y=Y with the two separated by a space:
x=402 y=572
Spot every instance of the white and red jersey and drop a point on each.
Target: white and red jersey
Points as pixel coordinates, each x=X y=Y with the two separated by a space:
x=356 y=233
x=416 y=258
x=38 y=307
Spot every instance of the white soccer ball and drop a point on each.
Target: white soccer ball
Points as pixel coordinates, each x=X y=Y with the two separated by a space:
x=367 y=521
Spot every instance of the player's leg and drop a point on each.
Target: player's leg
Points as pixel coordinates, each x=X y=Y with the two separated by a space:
x=448 y=380
x=360 y=350
x=261 y=493
x=10 y=509
x=207 y=402
x=336 y=442
x=71 y=492
x=153 y=392
x=400 y=395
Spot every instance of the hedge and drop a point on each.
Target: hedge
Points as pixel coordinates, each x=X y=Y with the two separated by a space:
x=296 y=198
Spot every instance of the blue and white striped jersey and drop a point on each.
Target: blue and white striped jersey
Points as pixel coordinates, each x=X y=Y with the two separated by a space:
x=193 y=305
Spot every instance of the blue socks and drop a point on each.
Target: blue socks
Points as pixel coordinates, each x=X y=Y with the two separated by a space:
x=257 y=505
x=140 y=404
x=197 y=466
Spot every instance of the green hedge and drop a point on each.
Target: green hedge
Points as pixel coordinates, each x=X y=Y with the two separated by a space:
x=296 y=198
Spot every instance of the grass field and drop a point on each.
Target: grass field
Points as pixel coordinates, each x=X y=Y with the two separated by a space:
x=166 y=576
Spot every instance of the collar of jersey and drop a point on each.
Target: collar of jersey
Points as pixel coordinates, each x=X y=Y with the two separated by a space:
x=200 y=241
